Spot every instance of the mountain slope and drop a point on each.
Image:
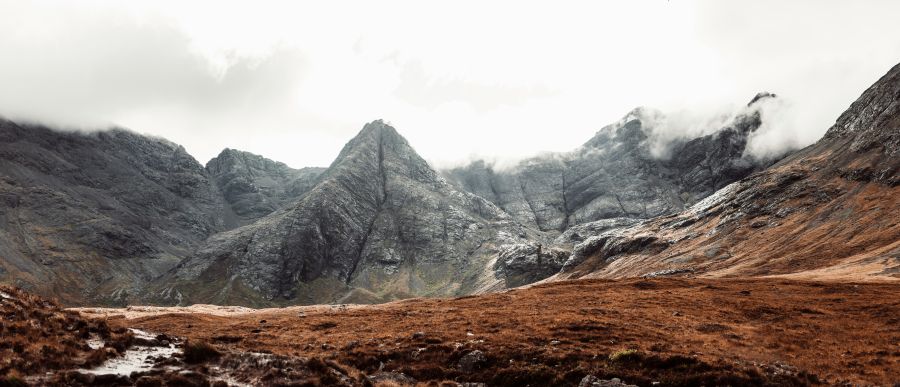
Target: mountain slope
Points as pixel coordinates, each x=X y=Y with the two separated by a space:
x=623 y=171
x=380 y=224
x=90 y=217
x=255 y=186
x=828 y=211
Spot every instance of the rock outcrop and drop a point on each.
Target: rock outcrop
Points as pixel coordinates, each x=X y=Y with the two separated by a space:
x=524 y=263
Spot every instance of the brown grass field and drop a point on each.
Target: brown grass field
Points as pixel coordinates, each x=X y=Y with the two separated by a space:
x=671 y=331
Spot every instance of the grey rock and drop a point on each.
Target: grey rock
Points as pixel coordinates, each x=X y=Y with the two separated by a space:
x=667 y=272
x=380 y=224
x=624 y=171
x=255 y=186
x=609 y=245
x=472 y=361
x=524 y=263
x=869 y=126
x=579 y=232
x=593 y=381
x=91 y=217
x=862 y=146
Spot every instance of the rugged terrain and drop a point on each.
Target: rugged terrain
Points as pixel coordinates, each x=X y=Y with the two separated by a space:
x=670 y=331
x=255 y=186
x=94 y=216
x=379 y=224
x=624 y=171
x=39 y=336
x=829 y=211
x=114 y=217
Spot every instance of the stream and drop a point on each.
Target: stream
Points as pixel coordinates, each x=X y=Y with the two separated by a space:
x=138 y=358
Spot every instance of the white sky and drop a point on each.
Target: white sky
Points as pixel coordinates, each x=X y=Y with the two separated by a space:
x=294 y=81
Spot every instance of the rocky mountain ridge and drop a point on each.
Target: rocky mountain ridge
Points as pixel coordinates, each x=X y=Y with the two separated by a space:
x=379 y=224
x=828 y=211
x=621 y=172
x=94 y=216
x=255 y=186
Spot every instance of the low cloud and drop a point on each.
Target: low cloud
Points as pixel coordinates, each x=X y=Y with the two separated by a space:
x=418 y=89
x=784 y=128
x=87 y=70
x=294 y=81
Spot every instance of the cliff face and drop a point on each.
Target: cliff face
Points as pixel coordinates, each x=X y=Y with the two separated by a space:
x=618 y=173
x=828 y=211
x=379 y=224
x=255 y=186
x=114 y=217
x=93 y=216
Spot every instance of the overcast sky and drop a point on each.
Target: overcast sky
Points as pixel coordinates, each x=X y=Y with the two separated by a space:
x=294 y=81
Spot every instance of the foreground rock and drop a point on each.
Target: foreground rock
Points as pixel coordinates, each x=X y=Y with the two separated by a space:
x=593 y=381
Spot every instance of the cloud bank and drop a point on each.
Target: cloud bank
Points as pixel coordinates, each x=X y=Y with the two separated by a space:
x=502 y=80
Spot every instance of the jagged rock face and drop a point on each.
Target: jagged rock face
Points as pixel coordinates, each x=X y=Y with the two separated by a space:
x=379 y=224
x=578 y=233
x=255 y=186
x=524 y=263
x=870 y=128
x=828 y=211
x=617 y=174
x=90 y=216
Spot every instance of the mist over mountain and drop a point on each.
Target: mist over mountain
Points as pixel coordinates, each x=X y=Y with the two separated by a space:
x=114 y=217
x=826 y=212
x=378 y=224
x=626 y=170
x=449 y=194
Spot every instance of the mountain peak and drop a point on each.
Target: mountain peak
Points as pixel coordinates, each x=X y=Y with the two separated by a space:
x=762 y=95
x=377 y=136
x=378 y=127
x=229 y=157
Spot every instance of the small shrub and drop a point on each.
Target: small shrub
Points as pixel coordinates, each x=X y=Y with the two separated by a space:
x=625 y=355
x=199 y=352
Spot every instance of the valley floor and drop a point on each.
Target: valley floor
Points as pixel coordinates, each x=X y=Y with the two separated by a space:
x=673 y=331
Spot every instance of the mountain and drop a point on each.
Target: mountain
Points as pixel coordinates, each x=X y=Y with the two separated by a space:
x=624 y=171
x=114 y=217
x=94 y=216
x=379 y=224
x=255 y=186
x=829 y=211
